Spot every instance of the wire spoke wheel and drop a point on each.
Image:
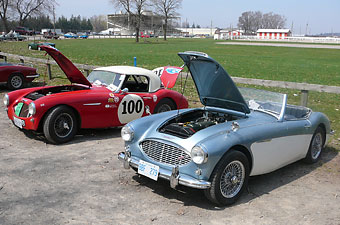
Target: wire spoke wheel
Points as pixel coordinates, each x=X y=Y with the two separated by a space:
x=316 y=146
x=232 y=179
x=63 y=125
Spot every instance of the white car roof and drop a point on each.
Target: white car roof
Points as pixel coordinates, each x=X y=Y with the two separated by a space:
x=155 y=81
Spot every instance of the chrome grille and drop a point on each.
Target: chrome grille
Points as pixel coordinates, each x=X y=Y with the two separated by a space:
x=165 y=153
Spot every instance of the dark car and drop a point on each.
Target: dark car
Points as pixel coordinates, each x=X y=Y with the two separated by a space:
x=36 y=46
x=51 y=35
x=17 y=75
x=23 y=31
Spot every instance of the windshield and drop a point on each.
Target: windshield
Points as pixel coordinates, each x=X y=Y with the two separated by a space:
x=266 y=101
x=109 y=79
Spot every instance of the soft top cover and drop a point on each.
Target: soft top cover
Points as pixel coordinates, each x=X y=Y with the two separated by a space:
x=215 y=87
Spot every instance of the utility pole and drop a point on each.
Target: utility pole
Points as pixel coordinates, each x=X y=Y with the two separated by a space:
x=211 y=24
x=292 y=27
x=306 y=29
x=53 y=18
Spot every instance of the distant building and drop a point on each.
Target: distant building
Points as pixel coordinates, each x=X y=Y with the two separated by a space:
x=221 y=34
x=197 y=31
x=273 y=33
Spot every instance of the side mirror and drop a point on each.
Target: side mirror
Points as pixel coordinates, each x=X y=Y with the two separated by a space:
x=125 y=90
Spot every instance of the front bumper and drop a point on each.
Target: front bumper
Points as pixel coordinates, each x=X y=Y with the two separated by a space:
x=33 y=76
x=173 y=176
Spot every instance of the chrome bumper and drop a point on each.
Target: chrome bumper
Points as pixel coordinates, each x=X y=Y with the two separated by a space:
x=33 y=76
x=173 y=176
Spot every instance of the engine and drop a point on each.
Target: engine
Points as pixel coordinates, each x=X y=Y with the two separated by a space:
x=52 y=90
x=188 y=124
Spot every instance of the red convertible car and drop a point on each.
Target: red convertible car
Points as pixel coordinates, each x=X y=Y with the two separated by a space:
x=109 y=97
x=16 y=75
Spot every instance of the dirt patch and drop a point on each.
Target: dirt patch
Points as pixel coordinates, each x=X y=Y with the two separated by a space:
x=82 y=182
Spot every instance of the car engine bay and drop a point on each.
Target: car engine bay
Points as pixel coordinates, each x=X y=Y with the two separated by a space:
x=187 y=124
x=53 y=90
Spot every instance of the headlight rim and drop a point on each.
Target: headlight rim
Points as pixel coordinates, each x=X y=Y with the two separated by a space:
x=131 y=133
x=204 y=153
x=6 y=100
x=32 y=107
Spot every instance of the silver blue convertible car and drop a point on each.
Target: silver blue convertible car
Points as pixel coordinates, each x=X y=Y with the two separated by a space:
x=239 y=132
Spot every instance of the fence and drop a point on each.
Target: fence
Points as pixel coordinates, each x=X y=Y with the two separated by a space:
x=304 y=87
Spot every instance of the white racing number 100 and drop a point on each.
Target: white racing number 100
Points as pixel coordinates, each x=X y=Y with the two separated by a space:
x=130 y=108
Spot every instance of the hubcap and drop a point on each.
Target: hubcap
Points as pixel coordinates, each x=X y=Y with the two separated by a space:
x=232 y=179
x=16 y=81
x=63 y=125
x=316 y=146
x=164 y=108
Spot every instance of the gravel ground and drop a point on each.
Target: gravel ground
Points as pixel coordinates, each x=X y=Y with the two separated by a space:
x=82 y=182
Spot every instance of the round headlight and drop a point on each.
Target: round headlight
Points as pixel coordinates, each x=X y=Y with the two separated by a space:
x=127 y=133
x=6 y=100
x=31 y=109
x=198 y=155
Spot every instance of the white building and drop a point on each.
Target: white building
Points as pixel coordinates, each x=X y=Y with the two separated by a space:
x=227 y=34
x=197 y=31
x=273 y=33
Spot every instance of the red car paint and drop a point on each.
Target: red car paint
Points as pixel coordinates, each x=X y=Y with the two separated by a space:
x=8 y=69
x=94 y=106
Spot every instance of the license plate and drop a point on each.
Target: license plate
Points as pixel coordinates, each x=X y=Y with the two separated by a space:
x=148 y=169
x=18 y=122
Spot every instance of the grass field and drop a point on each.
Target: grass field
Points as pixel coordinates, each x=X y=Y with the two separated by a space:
x=315 y=66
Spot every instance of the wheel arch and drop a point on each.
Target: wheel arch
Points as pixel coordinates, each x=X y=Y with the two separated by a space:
x=246 y=152
x=239 y=148
x=323 y=127
x=172 y=100
x=76 y=113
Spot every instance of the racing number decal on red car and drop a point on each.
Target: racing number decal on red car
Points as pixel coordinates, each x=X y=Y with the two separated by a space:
x=130 y=108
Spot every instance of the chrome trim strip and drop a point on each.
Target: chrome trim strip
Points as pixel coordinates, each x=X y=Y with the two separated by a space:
x=184 y=180
x=283 y=109
x=33 y=76
x=93 y=103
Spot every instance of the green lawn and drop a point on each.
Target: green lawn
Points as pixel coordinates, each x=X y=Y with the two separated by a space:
x=315 y=66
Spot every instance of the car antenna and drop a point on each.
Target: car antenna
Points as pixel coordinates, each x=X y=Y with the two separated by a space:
x=182 y=94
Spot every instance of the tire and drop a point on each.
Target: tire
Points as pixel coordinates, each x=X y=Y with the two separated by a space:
x=315 y=146
x=164 y=105
x=60 y=125
x=225 y=174
x=15 y=81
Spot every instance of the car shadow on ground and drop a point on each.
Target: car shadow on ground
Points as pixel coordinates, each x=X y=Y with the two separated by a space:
x=84 y=135
x=257 y=186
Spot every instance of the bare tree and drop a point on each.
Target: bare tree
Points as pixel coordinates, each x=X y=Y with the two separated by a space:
x=98 y=22
x=134 y=9
x=273 y=21
x=244 y=22
x=26 y=8
x=252 y=21
x=4 y=7
x=167 y=9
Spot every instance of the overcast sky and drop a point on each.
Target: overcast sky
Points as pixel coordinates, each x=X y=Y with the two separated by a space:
x=322 y=16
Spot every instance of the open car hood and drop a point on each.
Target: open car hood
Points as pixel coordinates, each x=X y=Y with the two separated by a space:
x=215 y=87
x=70 y=70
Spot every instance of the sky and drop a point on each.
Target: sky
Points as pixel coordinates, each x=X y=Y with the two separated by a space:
x=322 y=16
